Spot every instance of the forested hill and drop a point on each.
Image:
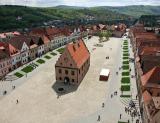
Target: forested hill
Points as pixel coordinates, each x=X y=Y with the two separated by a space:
x=13 y=17
x=135 y=11
x=31 y=15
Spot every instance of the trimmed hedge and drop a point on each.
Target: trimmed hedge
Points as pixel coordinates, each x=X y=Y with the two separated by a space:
x=27 y=69
x=125 y=74
x=125 y=87
x=125 y=62
x=47 y=57
x=125 y=96
x=125 y=54
x=61 y=50
x=125 y=57
x=125 y=67
x=19 y=75
x=125 y=80
x=40 y=61
x=53 y=54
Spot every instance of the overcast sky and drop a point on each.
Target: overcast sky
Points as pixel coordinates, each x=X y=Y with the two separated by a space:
x=88 y=3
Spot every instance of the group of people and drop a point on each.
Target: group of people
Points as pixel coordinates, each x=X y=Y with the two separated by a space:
x=114 y=94
x=133 y=112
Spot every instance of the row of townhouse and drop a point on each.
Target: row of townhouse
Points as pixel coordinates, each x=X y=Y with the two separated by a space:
x=21 y=49
x=117 y=30
x=146 y=47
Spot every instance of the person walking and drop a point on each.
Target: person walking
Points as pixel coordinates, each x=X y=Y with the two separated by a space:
x=128 y=121
x=116 y=92
x=102 y=105
x=111 y=95
x=17 y=101
x=99 y=118
x=125 y=109
x=136 y=97
x=120 y=116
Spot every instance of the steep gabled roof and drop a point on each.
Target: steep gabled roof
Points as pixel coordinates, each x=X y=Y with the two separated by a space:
x=78 y=52
x=152 y=76
x=18 y=41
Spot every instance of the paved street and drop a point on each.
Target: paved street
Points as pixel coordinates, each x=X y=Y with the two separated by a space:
x=38 y=100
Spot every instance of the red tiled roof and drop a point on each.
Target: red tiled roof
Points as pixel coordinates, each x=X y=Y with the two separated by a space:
x=146 y=96
x=38 y=31
x=149 y=50
x=78 y=52
x=152 y=76
x=146 y=36
x=52 y=31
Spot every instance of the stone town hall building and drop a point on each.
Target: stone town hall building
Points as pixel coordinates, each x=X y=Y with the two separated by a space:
x=73 y=64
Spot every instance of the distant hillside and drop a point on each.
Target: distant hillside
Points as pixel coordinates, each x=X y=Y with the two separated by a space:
x=135 y=11
x=150 y=20
x=12 y=17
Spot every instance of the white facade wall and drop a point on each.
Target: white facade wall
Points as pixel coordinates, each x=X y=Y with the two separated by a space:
x=5 y=66
x=15 y=59
x=40 y=50
x=24 y=53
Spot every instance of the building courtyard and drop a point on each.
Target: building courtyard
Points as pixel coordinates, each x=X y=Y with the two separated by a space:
x=39 y=102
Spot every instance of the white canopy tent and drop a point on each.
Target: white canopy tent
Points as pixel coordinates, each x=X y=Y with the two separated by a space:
x=104 y=74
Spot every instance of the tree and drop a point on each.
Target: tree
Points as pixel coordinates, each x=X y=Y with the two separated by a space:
x=100 y=36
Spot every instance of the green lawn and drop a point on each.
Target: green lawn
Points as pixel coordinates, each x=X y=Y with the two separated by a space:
x=40 y=61
x=125 y=51
x=125 y=67
x=19 y=75
x=125 y=58
x=125 y=73
x=61 y=50
x=125 y=96
x=125 y=80
x=125 y=47
x=121 y=122
x=47 y=57
x=125 y=87
x=125 y=62
x=53 y=54
x=125 y=54
x=27 y=69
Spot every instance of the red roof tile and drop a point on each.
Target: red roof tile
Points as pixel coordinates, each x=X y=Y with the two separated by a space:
x=149 y=50
x=79 y=52
x=151 y=76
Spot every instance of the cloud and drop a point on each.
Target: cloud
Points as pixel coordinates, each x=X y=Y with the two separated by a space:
x=79 y=2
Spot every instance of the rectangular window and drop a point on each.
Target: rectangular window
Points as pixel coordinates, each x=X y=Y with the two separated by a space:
x=72 y=80
x=72 y=72
x=60 y=71
x=66 y=71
